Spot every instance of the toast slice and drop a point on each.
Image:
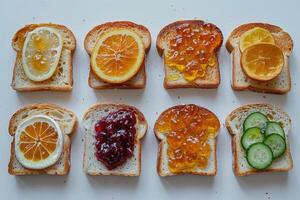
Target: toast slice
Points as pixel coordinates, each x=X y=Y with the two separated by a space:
x=139 y=80
x=239 y=81
x=67 y=122
x=210 y=80
x=62 y=80
x=91 y=166
x=234 y=124
x=163 y=158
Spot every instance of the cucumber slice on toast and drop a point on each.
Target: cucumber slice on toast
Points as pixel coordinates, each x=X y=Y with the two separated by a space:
x=274 y=127
x=259 y=156
x=276 y=143
x=251 y=136
x=256 y=119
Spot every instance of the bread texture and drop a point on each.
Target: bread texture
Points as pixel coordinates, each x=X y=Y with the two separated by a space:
x=67 y=122
x=210 y=80
x=239 y=81
x=62 y=80
x=91 y=166
x=139 y=80
x=163 y=158
x=234 y=124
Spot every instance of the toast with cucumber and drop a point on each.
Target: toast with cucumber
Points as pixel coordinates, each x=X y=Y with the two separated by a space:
x=259 y=136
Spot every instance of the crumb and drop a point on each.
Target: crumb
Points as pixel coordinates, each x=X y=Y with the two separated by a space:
x=178 y=97
x=159 y=75
x=65 y=181
x=120 y=98
x=264 y=97
x=156 y=113
x=33 y=18
x=82 y=140
x=83 y=20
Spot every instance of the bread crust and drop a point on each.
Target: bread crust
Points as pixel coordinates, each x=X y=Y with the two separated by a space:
x=165 y=35
x=66 y=155
x=140 y=116
x=18 y=40
x=90 y=39
x=160 y=138
x=235 y=164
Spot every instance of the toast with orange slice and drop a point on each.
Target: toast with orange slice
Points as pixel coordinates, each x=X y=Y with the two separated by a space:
x=189 y=50
x=188 y=145
x=41 y=140
x=49 y=67
x=118 y=53
x=257 y=37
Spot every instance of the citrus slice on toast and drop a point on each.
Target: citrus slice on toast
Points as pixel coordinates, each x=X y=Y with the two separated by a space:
x=41 y=52
x=255 y=36
x=118 y=55
x=262 y=62
x=38 y=142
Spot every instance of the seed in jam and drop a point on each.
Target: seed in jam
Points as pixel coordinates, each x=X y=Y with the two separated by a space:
x=115 y=138
x=188 y=129
x=193 y=48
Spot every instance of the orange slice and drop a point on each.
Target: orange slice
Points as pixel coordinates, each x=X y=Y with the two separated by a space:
x=38 y=142
x=118 y=55
x=262 y=62
x=254 y=36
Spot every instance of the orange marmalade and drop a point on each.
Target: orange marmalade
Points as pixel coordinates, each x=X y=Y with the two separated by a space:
x=192 y=50
x=188 y=129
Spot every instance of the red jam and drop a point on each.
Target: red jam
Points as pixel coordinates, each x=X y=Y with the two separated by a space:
x=115 y=135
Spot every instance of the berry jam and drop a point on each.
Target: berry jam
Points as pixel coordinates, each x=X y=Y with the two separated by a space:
x=115 y=135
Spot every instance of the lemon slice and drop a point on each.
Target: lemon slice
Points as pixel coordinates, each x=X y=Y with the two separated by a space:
x=262 y=62
x=41 y=53
x=118 y=55
x=255 y=36
x=38 y=142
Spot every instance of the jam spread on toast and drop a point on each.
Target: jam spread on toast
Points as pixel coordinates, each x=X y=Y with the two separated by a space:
x=192 y=50
x=188 y=129
x=115 y=138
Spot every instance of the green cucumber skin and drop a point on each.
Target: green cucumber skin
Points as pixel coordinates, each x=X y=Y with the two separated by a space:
x=283 y=140
x=269 y=132
x=243 y=138
x=252 y=115
x=251 y=163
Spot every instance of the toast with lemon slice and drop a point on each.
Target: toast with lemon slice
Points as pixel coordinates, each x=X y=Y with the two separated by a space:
x=259 y=137
x=188 y=145
x=41 y=140
x=112 y=143
x=118 y=53
x=44 y=58
x=189 y=50
x=260 y=58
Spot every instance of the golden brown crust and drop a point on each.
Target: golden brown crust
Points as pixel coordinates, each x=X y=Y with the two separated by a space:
x=160 y=139
x=165 y=35
x=17 y=44
x=282 y=39
x=235 y=163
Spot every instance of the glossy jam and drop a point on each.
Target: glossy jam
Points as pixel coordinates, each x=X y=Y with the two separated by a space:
x=188 y=129
x=115 y=138
x=38 y=141
x=192 y=50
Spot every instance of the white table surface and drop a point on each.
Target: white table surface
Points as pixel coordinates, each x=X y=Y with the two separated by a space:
x=80 y=17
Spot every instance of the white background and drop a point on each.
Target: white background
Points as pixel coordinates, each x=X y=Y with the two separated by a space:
x=80 y=17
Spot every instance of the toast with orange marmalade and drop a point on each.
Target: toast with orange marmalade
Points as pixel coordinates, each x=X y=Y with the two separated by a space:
x=118 y=55
x=189 y=50
x=187 y=135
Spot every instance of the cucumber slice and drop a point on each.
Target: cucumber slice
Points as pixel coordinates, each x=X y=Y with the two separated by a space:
x=274 y=127
x=276 y=143
x=255 y=119
x=251 y=136
x=259 y=156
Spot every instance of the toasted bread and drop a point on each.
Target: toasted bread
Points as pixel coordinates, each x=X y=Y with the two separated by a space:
x=91 y=166
x=234 y=124
x=239 y=81
x=210 y=80
x=163 y=158
x=67 y=122
x=139 y=80
x=62 y=80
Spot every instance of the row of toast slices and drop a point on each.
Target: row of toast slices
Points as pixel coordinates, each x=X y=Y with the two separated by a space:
x=62 y=80
x=132 y=167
